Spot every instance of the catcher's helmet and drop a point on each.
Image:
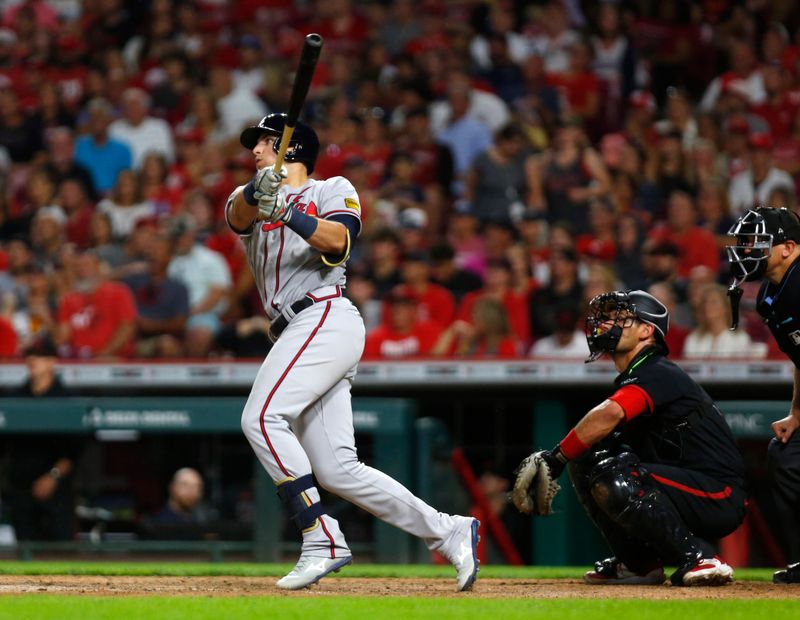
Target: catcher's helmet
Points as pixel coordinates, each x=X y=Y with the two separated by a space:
x=756 y=232
x=609 y=314
x=303 y=147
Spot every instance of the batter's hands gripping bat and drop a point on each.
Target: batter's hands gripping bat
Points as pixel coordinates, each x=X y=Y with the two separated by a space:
x=302 y=80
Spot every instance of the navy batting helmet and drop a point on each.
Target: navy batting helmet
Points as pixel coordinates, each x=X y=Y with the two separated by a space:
x=609 y=314
x=303 y=147
x=271 y=124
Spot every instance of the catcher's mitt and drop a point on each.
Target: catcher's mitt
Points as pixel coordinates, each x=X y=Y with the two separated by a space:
x=535 y=487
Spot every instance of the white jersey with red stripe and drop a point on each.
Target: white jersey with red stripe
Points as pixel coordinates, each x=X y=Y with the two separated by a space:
x=284 y=265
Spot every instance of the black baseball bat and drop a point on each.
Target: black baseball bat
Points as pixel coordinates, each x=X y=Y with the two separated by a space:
x=302 y=80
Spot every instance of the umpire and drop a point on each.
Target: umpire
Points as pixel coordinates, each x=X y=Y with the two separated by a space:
x=766 y=248
x=655 y=464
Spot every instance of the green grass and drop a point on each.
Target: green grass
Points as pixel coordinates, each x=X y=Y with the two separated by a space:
x=181 y=569
x=323 y=605
x=388 y=608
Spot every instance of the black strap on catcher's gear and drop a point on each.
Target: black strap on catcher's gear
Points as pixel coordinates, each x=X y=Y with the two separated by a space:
x=291 y=494
x=625 y=492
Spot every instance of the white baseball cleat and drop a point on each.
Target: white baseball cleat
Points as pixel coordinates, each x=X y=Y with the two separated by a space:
x=708 y=572
x=309 y=570
x=462 y=552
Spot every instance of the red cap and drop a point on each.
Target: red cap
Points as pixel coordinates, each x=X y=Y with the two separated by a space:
x=760 y=141
x=642 y=100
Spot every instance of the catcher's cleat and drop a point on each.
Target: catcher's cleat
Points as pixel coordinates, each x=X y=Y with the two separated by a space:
x=703 y=572
x=309 y=570
x=790 y=574
x=612 y=572
x=461 y=550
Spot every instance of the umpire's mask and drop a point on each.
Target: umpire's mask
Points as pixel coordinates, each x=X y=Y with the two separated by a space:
x=756 y=233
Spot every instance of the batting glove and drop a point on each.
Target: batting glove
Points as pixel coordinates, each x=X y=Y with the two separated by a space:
x=273 y=208
x=268 y=180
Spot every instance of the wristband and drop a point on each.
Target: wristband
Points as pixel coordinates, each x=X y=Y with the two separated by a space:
x=571 y=446
x=249 y=194
x=301 y=223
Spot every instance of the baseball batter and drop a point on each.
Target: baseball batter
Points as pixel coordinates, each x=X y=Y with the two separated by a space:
x=298 y=417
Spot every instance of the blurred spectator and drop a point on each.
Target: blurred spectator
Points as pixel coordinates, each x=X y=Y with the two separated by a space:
x=237 y=107
x=614 y=63
x=361 y=291
x=714 y=211
x=97 y=318
x=250 y=72
x=752 y=187
x=78 y=208
x=141 y=132
x=712 y=336
x=744 y=77
x=498 y=286
x=202 y=122
x=98 y=152
x=678 y=331
x=184 y=514
x=125 y=205
x=568 y=176
x=564 y=290
x=660 y=263
x=48 y=234
x=446 y=273
x=500 y=24
x=579 y=87
x=40 y=467
x=555 y=38
x=383 y=261
x=600 y=241
x=464 y=237
x=162 y=304
x=668 y=169
x=466 y=101
x=399 y=190
x=19 y=133
x=487 y=333
x=8 y=336
x=497 y=184
x=207 y=278
x=463 y=134
x=696 y=245
x=34 y=316
x=61 y=164
x=402 y=26
x=402 y=333
x=434 y=302
x=245 y=338
x=567 y=341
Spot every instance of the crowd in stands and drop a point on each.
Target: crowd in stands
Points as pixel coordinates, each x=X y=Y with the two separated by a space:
x=513 y=159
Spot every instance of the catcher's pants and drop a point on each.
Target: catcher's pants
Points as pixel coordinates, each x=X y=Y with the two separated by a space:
x=784 y=474
x=708 y=508
x=298 y=419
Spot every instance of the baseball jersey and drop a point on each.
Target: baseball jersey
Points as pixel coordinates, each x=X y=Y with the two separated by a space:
x=284 y=265
x=670 y=419
x=778 y=305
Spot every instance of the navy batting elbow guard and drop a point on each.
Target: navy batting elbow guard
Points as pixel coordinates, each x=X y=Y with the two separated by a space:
x=301 y=223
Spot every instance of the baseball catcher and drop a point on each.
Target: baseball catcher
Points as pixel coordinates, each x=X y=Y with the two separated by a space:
x=654 y=465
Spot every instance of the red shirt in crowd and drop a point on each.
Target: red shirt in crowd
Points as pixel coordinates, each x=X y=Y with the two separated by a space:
x=95 y=317
x=8 y=338
x=435 y=303
x=696 y=246
x=516 y=306
x=383 y=341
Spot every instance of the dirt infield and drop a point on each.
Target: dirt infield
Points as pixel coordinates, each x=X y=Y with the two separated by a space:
x=484 y=588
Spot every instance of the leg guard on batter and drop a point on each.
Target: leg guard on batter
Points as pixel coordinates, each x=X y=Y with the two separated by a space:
x=626 y=493
x=302 y=511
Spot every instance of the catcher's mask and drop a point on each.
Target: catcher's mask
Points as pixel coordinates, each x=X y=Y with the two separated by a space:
x=610 y=313
x=756 y=233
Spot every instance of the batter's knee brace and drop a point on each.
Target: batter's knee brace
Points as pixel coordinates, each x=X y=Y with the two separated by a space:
x=302 y=511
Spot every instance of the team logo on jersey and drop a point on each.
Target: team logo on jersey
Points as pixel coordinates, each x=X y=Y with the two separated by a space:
x=308 y=209
x=352 y=203
x=795 y=336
